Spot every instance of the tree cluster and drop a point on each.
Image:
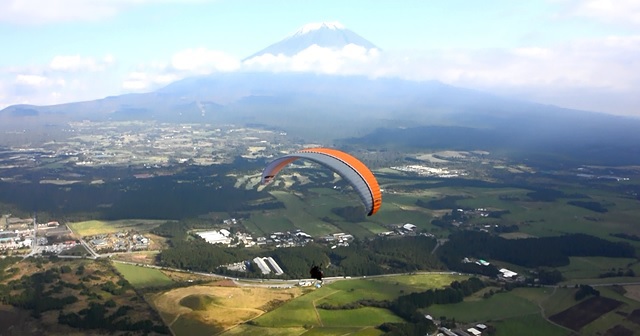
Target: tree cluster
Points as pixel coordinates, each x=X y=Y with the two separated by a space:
x=386 y=255
x=548 y=276
x=584 y=291
x=590 y=205
x=33 y=294
x=198 y=255
x=361 y=257
x=529 y=252
x=626 y=236
x=618 y=273
x=352 y=214
x=447 y=202
x=407 y=306
x=97 y=317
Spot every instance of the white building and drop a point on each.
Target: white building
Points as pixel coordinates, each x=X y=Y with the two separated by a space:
x=474 y=331
x=216 y=237
x=409 y=227
x=275 y=266
x=264 y=268
x=507 y=273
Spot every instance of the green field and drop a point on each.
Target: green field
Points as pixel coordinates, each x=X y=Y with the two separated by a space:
x=246 y=329
x=142 y=276
x=186 y=325
x=498 y=307
x=312 y=214
x=95 y=227
x=531 y=325
x=339 y=331
x=512 y=313
x=295 y=313
x=303 y=310
x=536 y=218
x=362 y=317
x=592 y=267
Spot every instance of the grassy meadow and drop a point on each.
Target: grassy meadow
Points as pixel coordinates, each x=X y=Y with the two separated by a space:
x=211 y=309
x=96 y=227
x=140 y=277
x=303 y=311
x=311 y=211
x=592 y=267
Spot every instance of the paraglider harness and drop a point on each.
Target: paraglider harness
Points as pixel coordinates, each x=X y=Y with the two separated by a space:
x=316 y=273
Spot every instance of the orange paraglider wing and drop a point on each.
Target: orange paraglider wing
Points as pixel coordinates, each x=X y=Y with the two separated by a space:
x=347 y=166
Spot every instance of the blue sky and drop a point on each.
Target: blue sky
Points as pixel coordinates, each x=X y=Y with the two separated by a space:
x=579 y=54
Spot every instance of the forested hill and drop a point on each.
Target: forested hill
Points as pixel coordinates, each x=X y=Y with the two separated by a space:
x=362 y=257
x=529 y=252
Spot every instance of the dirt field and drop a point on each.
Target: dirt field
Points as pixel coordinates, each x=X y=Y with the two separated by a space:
x=585 y=312
x=619 y=331
x=228 y=305
x=633 y=292
x=516 y=235
x=634 y=316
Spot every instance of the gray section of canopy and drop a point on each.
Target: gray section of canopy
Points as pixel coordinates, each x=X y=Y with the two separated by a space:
x=340 y=167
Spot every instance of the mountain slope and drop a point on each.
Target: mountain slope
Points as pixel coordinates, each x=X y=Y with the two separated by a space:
x=377 y=111
x=326 y=34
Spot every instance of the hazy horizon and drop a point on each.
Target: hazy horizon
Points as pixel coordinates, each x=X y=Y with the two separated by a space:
x=574 y=54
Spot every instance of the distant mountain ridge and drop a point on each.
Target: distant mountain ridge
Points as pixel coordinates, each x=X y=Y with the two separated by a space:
x=325 y=34
x=377 y=111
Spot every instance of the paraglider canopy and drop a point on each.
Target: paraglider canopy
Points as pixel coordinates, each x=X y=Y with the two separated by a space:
x=347 y=166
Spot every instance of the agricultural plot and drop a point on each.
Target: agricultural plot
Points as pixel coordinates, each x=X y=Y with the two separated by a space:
x=592 y=267
x=621 y=316
x=585 y=312
x=208 y=310
x=500 y=306
x=96 y=227
x=530 y=325
x=361 y=317
x=385 y=288
x=302 y=215
x=420 y=282
x=304 y=311
x=534 y=218
x=248 y=329
x=141 y=277
x=559 y=300
x=341 y=331
x=296 y=313
x=558 y=217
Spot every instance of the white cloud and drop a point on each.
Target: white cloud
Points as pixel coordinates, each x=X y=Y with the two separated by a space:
x=185 y=63
x=616 y=11
x=49 y=11
x=202 y=61
x=32 y=80
x=35 y=11
x=79 y=63
x=351 y=59
x=593 y=74
x=136 y=81
x=143 y=81
x=46 y=84
x=597 y=74
x=607 y=70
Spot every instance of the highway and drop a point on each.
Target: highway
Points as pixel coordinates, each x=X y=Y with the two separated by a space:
x=94 y=254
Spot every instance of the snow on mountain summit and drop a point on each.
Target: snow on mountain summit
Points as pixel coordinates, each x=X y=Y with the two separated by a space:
x=309 y=27
x=330 y=35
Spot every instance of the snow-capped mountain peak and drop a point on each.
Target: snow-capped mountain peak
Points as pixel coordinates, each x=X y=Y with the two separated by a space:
x=328 y=35
x=309 y=27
